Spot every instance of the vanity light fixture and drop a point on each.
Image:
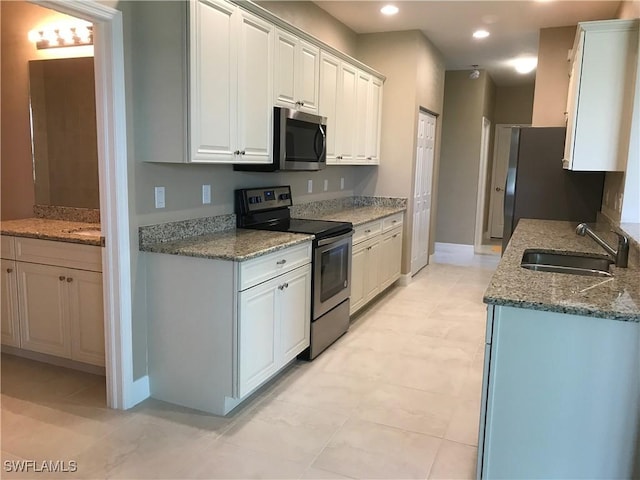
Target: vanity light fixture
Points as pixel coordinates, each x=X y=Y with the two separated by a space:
x=56 y=36
x=389 y=10
x=481 y=34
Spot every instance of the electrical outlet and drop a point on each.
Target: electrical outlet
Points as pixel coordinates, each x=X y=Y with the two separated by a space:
x=310 y=186
x=326 y=184
x=341 y=183
x=619 y=203
x=206 y=194
x=159 y=196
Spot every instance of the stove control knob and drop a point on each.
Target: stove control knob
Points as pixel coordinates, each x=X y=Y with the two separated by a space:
x=284 y=196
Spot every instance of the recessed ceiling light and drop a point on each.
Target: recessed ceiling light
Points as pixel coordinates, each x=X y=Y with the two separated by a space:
x=525 y=64
x=389 y=10
x=481 y=34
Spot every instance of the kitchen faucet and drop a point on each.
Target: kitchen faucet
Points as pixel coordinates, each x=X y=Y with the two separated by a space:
x=621 y=256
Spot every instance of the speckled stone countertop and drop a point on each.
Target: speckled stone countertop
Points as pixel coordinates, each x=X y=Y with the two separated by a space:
x=357 y=210
x=358 y=215
x=58 y=230
x=233 y=244
x=616 y=298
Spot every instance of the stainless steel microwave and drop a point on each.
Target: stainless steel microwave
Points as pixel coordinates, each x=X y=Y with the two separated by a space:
x=299 y=143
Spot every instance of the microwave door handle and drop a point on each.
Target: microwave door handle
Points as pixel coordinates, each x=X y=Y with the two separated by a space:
x=320 y=132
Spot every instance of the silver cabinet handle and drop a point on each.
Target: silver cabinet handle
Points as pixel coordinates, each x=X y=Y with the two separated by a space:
x=395 y=236
x=281 y=287
x=242 y=152
x=367 y=231
x=281 y=262
x=61 y=278
x=69 y=279
x=237 y=152
x=499 y=189
x=9 y=270
x=369 y=158
x=368 y=248
x=339 y=157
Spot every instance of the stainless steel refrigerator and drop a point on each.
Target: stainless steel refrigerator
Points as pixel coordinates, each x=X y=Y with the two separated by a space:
x=538 y=187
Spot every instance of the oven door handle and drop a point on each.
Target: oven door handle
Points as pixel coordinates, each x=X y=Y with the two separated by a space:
x=327 y=241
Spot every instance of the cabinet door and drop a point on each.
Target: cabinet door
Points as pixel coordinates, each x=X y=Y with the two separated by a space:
x=572 y=103
x=213 y=81
x=358 y=276
x=9 y=304
x=294 y=304
x=391 y=257
x=373 y=119
x=328 y=100
x=362 y=98
x=86 y=316
x=307 y=77
x=346 y=114
x=372 y=279
x=284 y=71
x=255 y=89
x=258 y=334
x=42 y=307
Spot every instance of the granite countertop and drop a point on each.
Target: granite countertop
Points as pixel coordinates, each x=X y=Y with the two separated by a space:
x=58 y=230
x=616 y=298
x=357 y=215
x=234 y=244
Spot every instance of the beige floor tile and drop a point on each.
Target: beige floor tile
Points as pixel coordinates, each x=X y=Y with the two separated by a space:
x=454 y=461
x=368 y=450
x=408 y=409
x=287 y=430
x=356 y=363
x=329 y=391
x=232 y=461
x=313 y=473
x=464 y=422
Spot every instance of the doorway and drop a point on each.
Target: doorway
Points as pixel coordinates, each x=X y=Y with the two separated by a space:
x=479 y=244
x=423 y=181
x=114 y=198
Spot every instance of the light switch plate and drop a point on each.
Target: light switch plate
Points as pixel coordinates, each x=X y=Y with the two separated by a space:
x=326 y=184
x=206 y=194
x=341 y=183
x=310 y=186
x=159 y=196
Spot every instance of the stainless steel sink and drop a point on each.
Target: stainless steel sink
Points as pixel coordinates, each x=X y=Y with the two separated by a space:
x=573 y=264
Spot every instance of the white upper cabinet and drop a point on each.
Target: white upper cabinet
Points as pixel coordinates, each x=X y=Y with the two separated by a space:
x=601 y=90
x=231 y=66
x=374 y=121
x=346 y=113
x=329 y=78
x=296 y=73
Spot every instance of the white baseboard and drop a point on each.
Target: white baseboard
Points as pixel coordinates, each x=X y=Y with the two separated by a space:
x=53 y=360
x=453 y=248
x=140 y=390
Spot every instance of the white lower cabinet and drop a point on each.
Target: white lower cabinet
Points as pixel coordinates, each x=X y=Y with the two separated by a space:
x=273 y=326
x=9 y=304
x=50 y=308
x=376 y=259
x=219 y=329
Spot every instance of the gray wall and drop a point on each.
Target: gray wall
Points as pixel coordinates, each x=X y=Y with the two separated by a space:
x=514 y=104
x=466 y=101
x=415 y=78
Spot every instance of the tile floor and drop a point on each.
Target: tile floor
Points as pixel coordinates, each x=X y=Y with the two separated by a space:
x=397 y=397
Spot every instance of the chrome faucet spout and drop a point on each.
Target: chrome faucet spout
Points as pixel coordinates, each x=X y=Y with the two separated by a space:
x=620 y=256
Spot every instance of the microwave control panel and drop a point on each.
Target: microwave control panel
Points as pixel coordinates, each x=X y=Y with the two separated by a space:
x=259 y=199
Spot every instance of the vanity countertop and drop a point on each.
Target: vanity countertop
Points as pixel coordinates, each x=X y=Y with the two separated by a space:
x=58 y=230
x=616 y=298
x=233 y=244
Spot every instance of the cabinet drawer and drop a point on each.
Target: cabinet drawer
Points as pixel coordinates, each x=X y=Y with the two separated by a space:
x=263 y=268
x=8 y=248
x=368 y=230
x=391 y=222
x=63 y=254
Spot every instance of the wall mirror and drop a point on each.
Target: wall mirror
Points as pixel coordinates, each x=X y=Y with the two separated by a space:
x=63 y=132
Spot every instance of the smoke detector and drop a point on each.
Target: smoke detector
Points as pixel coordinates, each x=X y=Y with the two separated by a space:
x=475 y=74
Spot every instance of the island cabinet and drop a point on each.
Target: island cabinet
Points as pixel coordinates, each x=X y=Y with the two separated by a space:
x=54 y=300
x=560 y=396
x=376 y=259
x=600 y=99
x=219 y=329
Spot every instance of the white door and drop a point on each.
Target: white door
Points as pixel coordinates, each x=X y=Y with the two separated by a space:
x=284 y=71
x=346 y=114
x=86 y=316
x=498 y=178
x=358 y=274
x=372 y=278
x=374 y=116
x=422 y=191
x=295 y=312
x=363 y=80
x=9 y=304
x=329 y=78
x=307 y=77
x=255 y=88
x=44 y=321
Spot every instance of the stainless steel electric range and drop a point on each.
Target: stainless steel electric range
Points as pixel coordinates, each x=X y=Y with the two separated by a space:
x=268 y=209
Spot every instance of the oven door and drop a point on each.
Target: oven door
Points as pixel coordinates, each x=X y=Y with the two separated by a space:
x=331 y=273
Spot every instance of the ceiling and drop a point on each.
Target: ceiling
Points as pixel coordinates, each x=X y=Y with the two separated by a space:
x=513 y=24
